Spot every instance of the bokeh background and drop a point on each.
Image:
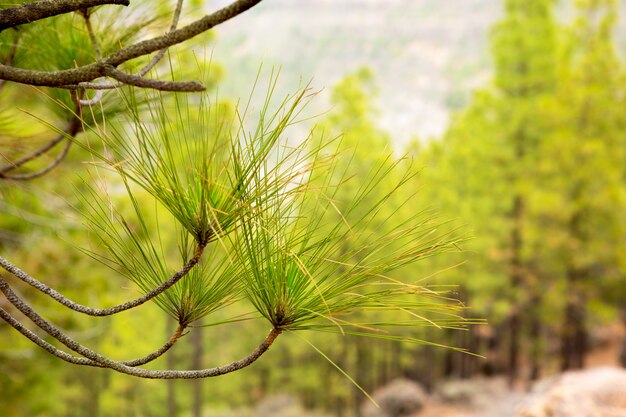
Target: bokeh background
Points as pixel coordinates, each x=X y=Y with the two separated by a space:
x=515 y=111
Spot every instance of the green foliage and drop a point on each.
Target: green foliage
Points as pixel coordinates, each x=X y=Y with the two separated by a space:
x=197 y=163
x=286 y=226
x=306 y=265
x=535 y=167
x=321 y=235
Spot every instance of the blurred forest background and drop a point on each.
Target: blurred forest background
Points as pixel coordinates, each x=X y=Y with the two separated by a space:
x=515 y=109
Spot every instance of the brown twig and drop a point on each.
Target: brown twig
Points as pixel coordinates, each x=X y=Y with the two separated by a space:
x=92 y=35
x=30 y=335
x=43 y=171
x=125 y=369
x=155 y=60
x=69 y=133
x=98 y=69
x=30 y=12
x=9 y=267
x=11 y=56
x=72 y=128
x=137 y=81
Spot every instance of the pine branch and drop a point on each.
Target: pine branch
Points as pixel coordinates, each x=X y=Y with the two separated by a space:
x=137 y=81
x=30 y=12
x=100 y=68
x=30 y=335
x=72 y=128
x=121 y=367
x=155 y=60
x=36 y=174
x=8 y=60
x=9 y=267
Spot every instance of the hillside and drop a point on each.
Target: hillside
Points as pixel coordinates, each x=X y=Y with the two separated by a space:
x=427 y=55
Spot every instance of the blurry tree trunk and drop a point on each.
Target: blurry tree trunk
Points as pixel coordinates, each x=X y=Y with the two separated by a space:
x=536 y=336
x=340 y=400
x=196 y=363
x=524 y=49
x=622 y=355
x=463 y=363
x=430 y=377
x=395 y=364
x=448 y=360
x=475 y=346
x=362 y=371
x=574 y=333
x=574 y=336
x=171 y=383
x=516 y=276
x=492 y=365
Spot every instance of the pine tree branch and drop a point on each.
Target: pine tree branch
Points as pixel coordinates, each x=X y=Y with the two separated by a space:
x=70 y=131
x=8 y=60
x=98 y=69
x=129 y=370
x=9 y=267
x=36 y=174
x=137 y=81
x=77 y=360
x=30 y=12
x=155 y=60
x=72 y=128
x=30 y=335
x=157 y=353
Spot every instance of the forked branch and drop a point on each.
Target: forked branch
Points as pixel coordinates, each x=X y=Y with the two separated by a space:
x=119 y=366
x=86 y=73
x=72 y=128
x=138 y=81
x=77 y=360
x=30 y=12
x=9 y=267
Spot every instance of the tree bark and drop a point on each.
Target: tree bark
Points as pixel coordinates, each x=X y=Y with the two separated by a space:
x=574 y=334
x=172 y=406
x=622 y=355
x=516 y=280
x=536 y=337
x=196 y=363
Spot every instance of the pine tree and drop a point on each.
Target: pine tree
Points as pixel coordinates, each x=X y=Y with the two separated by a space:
x=524 y=47
x=582 y=172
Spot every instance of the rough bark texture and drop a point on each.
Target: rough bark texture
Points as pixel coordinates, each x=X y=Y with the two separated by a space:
x=9 y=267
x=102 y=67
x=30 y=12
x=119 y=366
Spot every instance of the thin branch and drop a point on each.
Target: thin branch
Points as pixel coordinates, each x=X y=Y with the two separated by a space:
x=96 y=48
x=42 y=343
x=92 y=36
x=32 y=175
x=129 y=370
x=157 y=353
x=30 y=12
x=9 y=267
x=81 y=360
x=99 y=69
x=155 y=60
x=72 y=128
x=11 y=56
x=137 y=81
x=93 y=101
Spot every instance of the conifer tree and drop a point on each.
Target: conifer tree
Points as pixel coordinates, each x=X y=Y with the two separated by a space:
x=582 y=172
x=524 y=55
